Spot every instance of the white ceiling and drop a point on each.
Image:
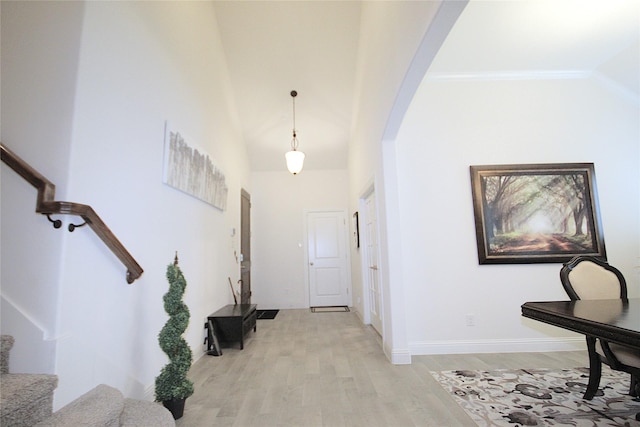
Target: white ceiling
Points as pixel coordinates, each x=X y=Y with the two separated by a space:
x=273 y=47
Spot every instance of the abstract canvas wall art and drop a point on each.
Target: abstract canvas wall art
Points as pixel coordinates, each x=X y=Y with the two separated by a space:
x=191 y=171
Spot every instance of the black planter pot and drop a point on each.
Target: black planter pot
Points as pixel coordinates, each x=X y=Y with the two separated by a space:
x=176 y=406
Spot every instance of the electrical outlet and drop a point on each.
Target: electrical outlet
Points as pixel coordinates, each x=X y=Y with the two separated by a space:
x=470 y=319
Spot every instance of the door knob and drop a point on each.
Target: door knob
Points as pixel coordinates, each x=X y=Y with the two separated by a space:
x=311 y=263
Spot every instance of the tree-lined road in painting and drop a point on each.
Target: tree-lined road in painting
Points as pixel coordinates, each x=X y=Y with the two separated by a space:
x=529 y=243
x=544 y=213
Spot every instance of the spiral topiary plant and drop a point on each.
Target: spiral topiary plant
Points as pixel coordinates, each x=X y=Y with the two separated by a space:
x=172 y=383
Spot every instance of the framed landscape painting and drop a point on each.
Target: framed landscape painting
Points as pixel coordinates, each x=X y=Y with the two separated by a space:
x=536 y=213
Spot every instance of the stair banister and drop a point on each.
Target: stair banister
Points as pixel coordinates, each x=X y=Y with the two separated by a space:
x=46 y=205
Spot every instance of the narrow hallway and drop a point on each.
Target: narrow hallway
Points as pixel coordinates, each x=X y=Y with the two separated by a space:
x=327 y=369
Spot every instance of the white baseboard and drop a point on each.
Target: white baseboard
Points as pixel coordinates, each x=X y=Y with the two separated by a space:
x=397 y=356
x=150 y=393
x=497 y=346
x=401 y=357
x=360 y=316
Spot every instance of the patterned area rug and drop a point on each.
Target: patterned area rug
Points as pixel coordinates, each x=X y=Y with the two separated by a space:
x=541 y=397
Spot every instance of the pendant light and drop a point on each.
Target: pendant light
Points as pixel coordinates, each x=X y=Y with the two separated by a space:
x=295 y=158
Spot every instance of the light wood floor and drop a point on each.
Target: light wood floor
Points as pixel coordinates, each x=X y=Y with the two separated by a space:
x=327 y=369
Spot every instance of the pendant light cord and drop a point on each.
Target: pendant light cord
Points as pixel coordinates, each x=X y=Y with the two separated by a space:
x=294 y=141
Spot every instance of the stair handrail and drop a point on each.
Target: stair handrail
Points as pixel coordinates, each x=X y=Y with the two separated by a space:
x=46 y=205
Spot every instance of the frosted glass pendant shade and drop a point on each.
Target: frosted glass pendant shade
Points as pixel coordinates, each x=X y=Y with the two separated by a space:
x=295 y=161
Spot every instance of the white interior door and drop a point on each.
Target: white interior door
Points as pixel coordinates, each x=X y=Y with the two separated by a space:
x=371 y=250
x=328 y=268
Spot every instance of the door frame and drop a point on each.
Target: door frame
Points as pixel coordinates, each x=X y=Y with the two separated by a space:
x=307 y=288
x=245 y=288
x=364 y=256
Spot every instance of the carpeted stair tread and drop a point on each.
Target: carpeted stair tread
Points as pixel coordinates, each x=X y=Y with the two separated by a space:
x=138 y=413
x=6 y=343
x=101 y=406
x=26 y=399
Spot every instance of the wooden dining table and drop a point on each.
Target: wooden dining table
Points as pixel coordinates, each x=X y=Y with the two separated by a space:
x=613 y=320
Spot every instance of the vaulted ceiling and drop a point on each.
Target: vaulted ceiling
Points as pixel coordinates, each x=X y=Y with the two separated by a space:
x=273 y=47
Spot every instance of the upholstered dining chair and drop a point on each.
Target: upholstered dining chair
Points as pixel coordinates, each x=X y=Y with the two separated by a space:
x=588 y=277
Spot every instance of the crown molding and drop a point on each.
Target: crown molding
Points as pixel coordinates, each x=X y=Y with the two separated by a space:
x=509 y=75
x=617 y=88
x=611 y=84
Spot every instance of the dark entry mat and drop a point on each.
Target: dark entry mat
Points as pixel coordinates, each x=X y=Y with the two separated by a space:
x=332 y=309
x=266 y=314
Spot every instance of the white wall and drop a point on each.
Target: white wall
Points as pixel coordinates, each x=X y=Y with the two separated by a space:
x=38 y=90
x=279 y=202
x=390 y=35
x=451 y=125
x=137 y=65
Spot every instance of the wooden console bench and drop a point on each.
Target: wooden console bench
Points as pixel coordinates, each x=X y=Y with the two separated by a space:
x=231 y=323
